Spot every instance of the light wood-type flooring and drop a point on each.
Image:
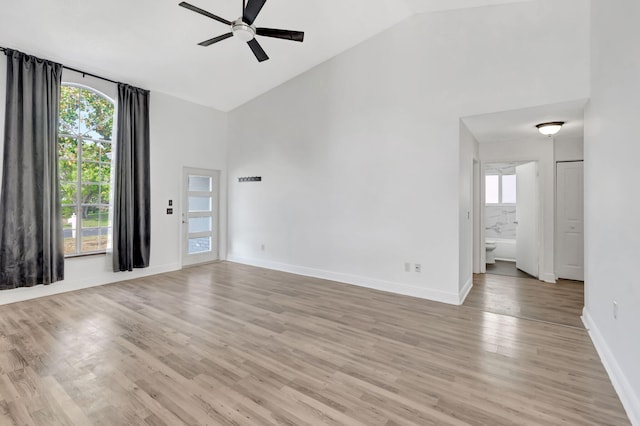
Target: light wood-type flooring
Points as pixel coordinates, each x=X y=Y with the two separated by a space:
x=528 y=298
x=226 y=344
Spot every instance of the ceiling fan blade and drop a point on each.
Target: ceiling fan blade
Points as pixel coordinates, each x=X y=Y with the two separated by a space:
x=203 y=12
x=285 y=34
x=251 y=11
x=257 y=50
x=216 y=39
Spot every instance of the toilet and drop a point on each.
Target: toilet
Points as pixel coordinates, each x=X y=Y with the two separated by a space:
x=490 y=246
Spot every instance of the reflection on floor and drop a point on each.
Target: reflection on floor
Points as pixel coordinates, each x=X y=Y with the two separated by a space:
x=502 y=267
x=528 y=298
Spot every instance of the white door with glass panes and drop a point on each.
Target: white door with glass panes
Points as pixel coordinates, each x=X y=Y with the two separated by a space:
x=200 y=216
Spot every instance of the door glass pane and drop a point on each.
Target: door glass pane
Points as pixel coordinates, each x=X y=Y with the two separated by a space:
x=491 y=190
x=199 y=224
x=199 y=245
x=200 y=183
x=509 y=189
x=199 y=204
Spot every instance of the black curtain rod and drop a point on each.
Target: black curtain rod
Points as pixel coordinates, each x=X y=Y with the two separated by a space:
x=84 y=73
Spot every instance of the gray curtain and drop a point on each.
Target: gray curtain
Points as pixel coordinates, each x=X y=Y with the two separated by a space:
x=131 y=205
x=31 y=239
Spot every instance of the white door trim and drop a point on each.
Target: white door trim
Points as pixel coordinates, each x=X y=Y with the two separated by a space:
x=214 y=253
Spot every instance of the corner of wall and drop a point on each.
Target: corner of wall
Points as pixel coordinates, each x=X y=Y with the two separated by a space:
x=465 y=290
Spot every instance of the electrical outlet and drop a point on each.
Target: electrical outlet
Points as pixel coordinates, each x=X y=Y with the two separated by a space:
x=615 y=310
x=418 y=267
x=407 y=267
x=262 y=247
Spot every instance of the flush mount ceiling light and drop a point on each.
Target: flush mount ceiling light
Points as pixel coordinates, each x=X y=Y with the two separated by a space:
x=550 y=128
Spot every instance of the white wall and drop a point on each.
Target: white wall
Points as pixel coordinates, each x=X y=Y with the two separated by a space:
x=612 y=199
x=500 y=221
x=360 y=156
x=182 y=134
x=468 y=153
x=569 y=149
x=542 y=152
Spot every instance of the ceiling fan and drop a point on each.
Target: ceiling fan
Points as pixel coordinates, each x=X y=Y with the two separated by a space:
x=244 y=29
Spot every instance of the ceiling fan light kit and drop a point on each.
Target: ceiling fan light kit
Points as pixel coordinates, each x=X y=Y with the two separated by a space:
x=243 y=31
x=243 y=28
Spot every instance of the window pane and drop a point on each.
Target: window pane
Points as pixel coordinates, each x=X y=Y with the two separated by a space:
x=200 y=224
x=491 y=190
x=106 y=153
x=95 y=228
x=68 y=171
x=67 y=149
x=68 y=193
x=509 y=189
x=96 y=151
x=199 y=204
x=96 y=116
x=199 y=245
x=91 y=193
x=97 y=241
x=96 y=172
x=95 y=216
x=200 y=183
x=105 y=190
x=69 y=110
x=90 y=150
x=69 y=227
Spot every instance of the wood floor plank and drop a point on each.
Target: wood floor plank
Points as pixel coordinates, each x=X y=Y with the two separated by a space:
x=228 y=344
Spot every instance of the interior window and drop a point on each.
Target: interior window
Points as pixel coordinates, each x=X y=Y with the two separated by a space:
x=500 y=189
x=492 y=189
x=508 y=189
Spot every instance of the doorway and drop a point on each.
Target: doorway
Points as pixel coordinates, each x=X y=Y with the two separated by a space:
x=200 y=218
x=511 y=205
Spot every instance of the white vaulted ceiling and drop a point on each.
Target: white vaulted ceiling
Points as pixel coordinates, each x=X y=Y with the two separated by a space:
x=153 y=43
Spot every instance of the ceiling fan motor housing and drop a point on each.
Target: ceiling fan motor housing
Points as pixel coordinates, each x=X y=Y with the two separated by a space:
x=242 y=30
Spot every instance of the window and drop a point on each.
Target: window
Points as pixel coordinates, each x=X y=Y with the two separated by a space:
x=500 y=189
x=84 y=153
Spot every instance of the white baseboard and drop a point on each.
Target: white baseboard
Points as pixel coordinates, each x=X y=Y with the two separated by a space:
x=391 y=287
x=630 y=401
x=548 y=278
x=464 y=292
x=27 y=293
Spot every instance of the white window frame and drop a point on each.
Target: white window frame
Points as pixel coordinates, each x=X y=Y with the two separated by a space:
x=499 y=203
x=78 y=201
